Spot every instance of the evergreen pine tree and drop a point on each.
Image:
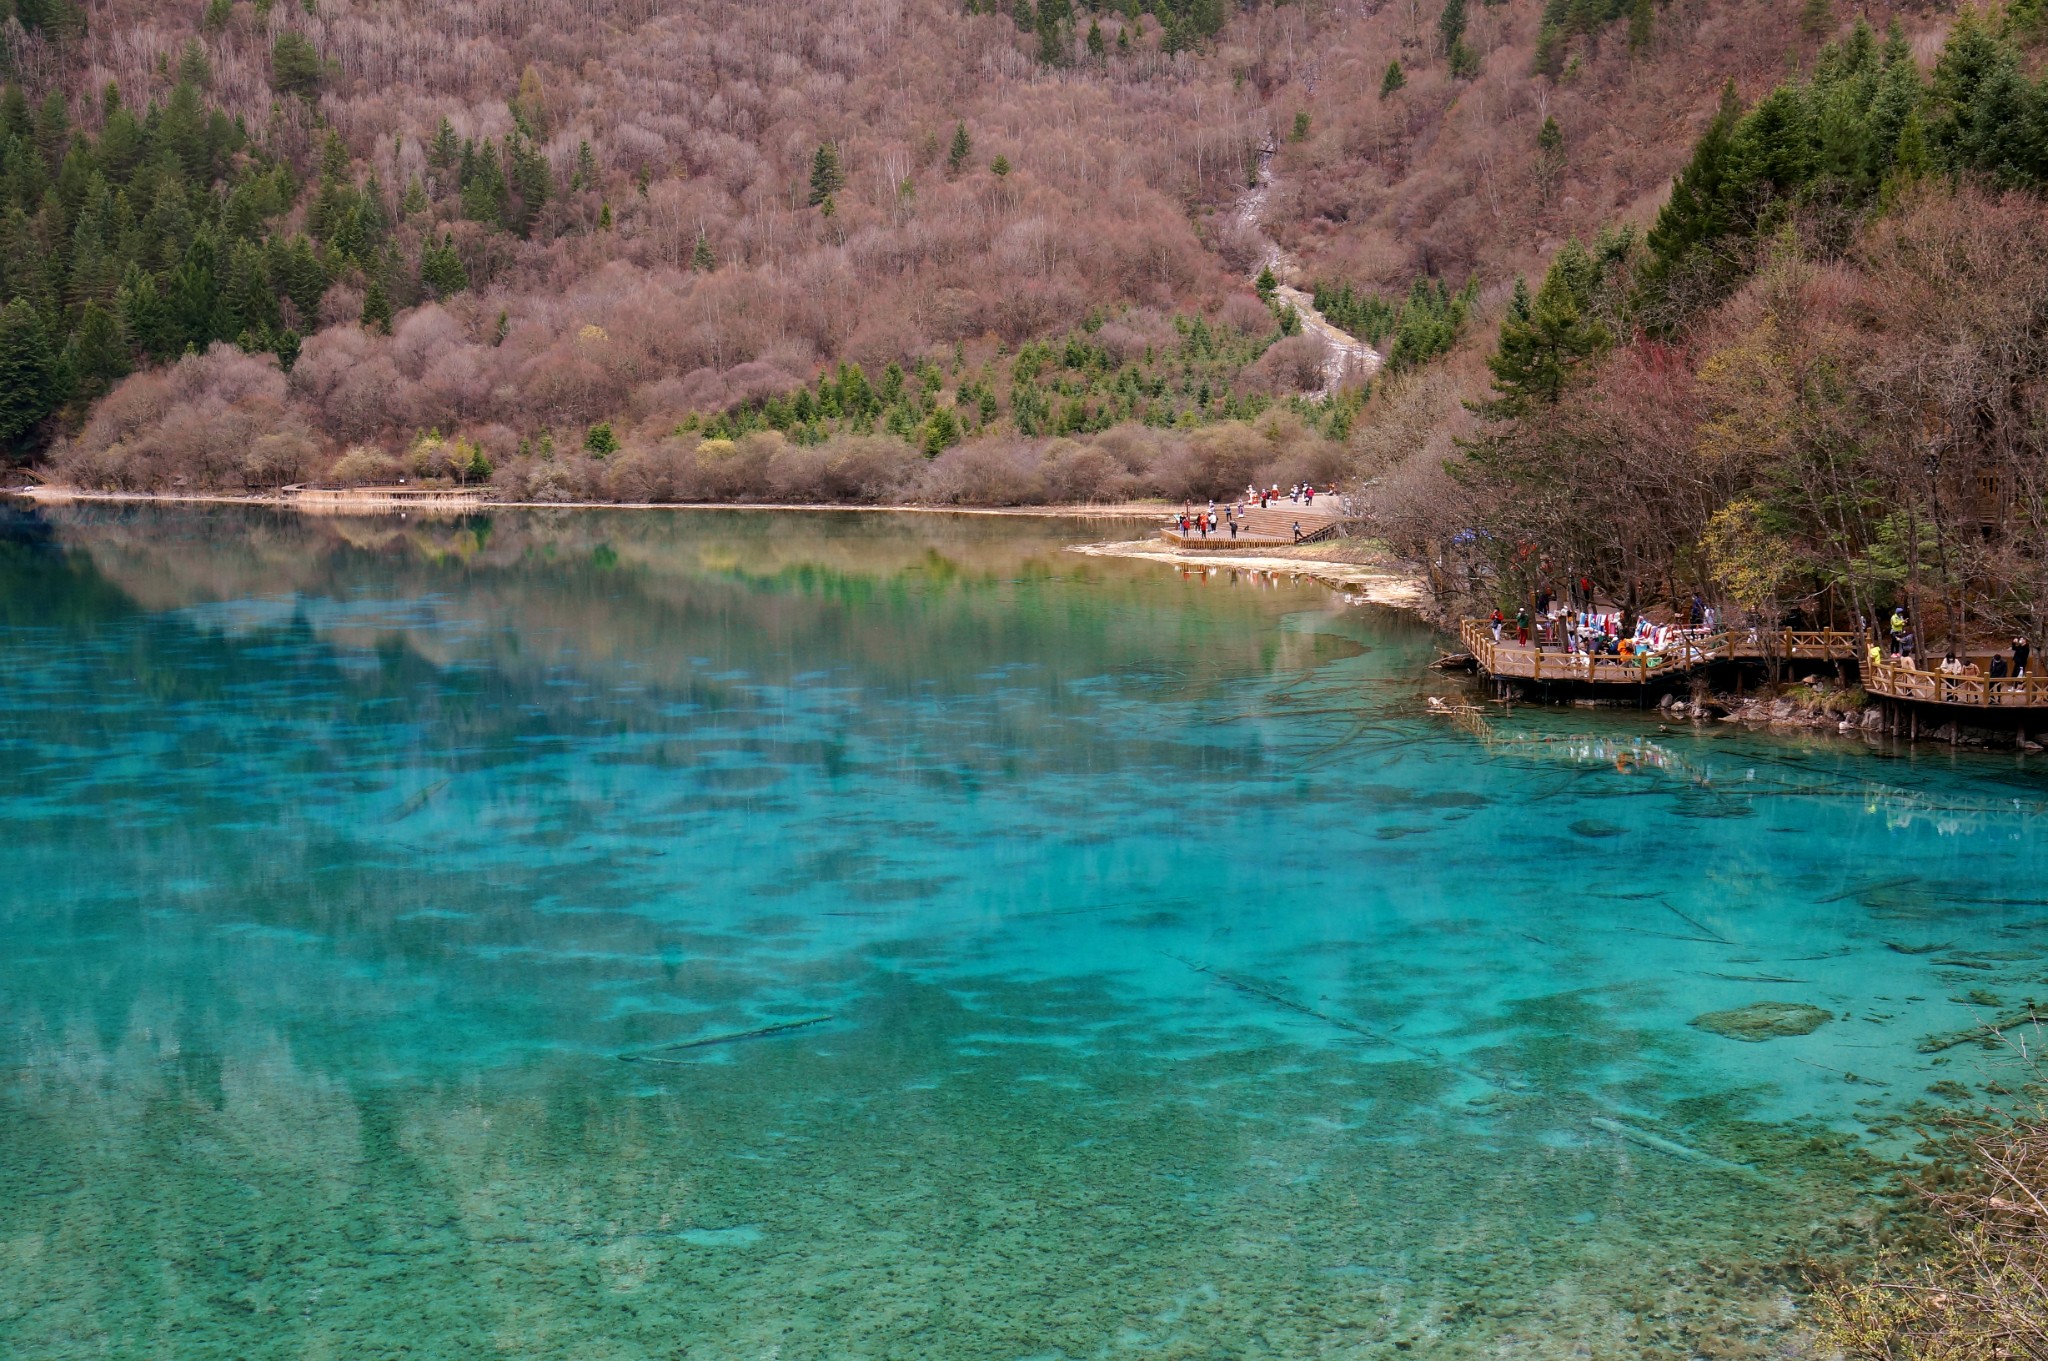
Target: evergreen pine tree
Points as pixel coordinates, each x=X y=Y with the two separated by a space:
x=1817 y=19
x=1052 y=50
x=1910 y=162
x=194 y=294
x=247 y=296
x=445 y=150
x=1698 y=210
x=941 y=432
x=415 y=200
x=826 y=176
x=97 y=356
x=146 y=317
x=295 y=65
x=304 y=280
x=529 y=106
x=1642 y=24
x=1910 y=159
x=1545 y=341
x=377 y=306
x=1450 y=25
x=485 y=197
x=1394 y=79
x=30 y=378
x=962 y=148
x=15 y=118
x=701 y=258
x=600 y=440
x=441 y=268
x=531 y=183
x=193 y=67
x=1095 y=46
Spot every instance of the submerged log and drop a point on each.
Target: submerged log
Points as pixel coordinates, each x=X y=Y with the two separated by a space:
x=1934 y=1044
x=760 y=1033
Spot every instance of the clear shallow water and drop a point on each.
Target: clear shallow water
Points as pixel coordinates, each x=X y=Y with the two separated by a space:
x=1190 y=993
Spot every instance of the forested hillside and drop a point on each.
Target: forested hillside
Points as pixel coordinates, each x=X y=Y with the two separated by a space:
x=1816 y=387
x=951 y=249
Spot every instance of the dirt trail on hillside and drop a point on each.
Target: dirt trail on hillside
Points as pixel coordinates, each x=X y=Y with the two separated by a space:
x=1349 y=357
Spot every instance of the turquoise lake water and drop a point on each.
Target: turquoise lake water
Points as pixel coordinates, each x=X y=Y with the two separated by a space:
x=1175 y=987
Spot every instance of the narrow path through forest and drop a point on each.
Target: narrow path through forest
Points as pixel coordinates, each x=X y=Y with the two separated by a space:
x=1348 y=357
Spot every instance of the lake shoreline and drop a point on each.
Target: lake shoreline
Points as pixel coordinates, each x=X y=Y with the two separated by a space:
x=1392 y=584
x=1386 y=581
x=380 y=505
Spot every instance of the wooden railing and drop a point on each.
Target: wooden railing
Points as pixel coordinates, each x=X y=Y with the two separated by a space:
x=1804 y=645
x=1522 y=661
x=1932 y=687
x=1536 y=663
x=1687 y=650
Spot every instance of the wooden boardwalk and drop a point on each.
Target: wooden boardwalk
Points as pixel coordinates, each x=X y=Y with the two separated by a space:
x=1891 y=681
x=1691 y=650
x=1885 y=679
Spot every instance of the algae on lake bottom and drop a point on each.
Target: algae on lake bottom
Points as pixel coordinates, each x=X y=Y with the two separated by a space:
x=1764 y=1020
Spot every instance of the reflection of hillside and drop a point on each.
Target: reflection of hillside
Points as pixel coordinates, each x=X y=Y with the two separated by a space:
x=525 y=688
x=901 y=599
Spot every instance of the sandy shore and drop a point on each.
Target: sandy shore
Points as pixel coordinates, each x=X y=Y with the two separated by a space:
x=1387 y=583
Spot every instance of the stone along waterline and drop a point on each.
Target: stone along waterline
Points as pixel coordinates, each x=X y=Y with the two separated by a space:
x=1144 y=974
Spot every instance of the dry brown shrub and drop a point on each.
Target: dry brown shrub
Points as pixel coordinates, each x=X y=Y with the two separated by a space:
x=650 y=474
x=864 y=469
x=362 y=465
x=1080 y=473
x=1965 y=1279
x=1245 y=314
x=1294 y=364
x=996 y=472
x=213 y=421
x=1138 y=449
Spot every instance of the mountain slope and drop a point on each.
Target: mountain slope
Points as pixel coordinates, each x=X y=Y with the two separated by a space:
x=568 y=216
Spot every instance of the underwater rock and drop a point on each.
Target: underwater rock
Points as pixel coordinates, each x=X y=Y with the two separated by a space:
x=1764 y=1020
x=1596 y=827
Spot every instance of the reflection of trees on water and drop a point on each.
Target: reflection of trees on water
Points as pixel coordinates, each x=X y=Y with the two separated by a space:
x=386 y=734
x=902 y=599
x=1752 y=776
